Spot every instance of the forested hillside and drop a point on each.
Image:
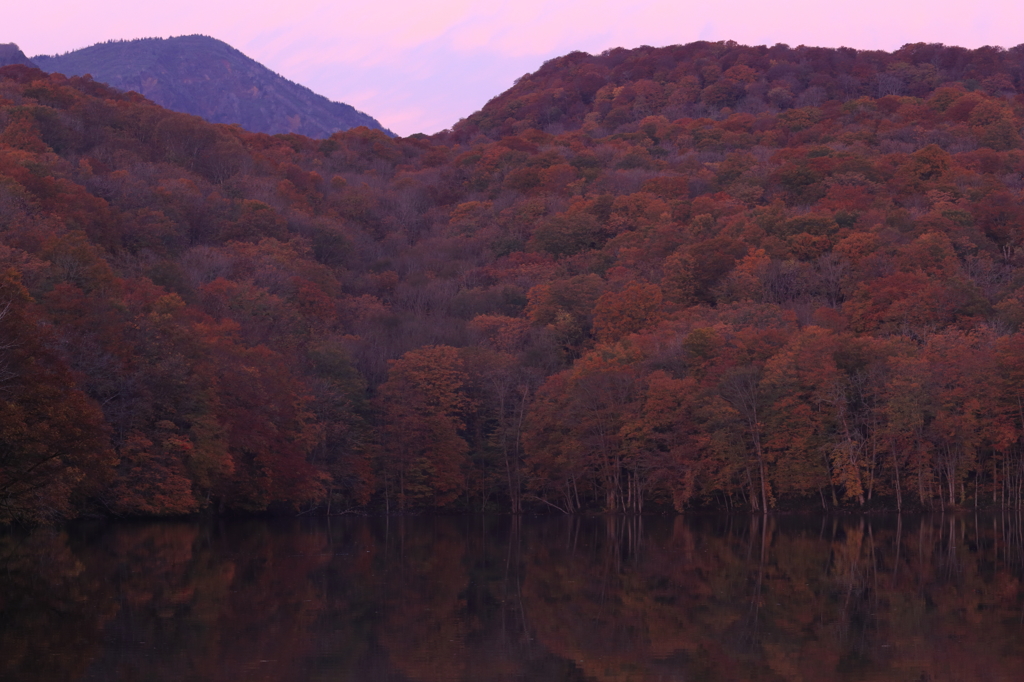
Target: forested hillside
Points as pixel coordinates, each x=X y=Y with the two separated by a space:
x=697 y=276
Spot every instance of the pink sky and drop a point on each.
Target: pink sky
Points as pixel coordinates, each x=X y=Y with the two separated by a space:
x=420 y=67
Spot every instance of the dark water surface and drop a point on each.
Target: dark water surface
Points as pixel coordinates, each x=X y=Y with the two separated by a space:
x=496 y=598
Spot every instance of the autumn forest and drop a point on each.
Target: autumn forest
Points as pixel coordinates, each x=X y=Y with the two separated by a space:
x=697 y=277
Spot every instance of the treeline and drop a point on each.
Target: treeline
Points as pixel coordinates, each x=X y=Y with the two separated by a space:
x=601 y=93
x=741 y=303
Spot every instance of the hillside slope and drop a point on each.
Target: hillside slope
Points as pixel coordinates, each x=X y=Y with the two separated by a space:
x=777 y=303
x=208 y=78
x=602 y=93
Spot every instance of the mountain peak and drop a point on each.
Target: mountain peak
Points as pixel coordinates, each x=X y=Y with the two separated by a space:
x=12 y=54
x=200 y=75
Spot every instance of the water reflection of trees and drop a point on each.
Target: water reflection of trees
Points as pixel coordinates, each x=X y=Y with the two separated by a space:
x=787 y=599
x=612 y=598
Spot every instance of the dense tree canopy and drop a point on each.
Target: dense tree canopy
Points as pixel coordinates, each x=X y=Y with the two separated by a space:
x=702 y=275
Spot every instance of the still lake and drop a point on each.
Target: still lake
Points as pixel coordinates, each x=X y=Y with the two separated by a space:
x=497 y=598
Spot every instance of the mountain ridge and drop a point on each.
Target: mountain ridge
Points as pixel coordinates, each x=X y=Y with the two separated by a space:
x=206 y=77
x=612 y=91
x=10 y=54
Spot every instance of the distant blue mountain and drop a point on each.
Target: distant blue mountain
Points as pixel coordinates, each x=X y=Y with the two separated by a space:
x=10 y=54
x=206 y=77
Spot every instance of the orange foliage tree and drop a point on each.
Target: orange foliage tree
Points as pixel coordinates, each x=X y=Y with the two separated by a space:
x=423 y=453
